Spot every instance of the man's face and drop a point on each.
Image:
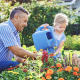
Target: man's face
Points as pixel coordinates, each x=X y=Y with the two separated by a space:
x=22 y=21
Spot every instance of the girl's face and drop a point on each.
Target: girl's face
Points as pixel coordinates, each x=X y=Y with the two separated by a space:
x=60 y=27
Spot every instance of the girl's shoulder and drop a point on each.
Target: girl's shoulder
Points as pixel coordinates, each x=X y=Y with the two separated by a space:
x=63 y=37
x=63 y=34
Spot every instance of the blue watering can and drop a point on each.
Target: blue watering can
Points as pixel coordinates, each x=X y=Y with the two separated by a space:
x=43 y=39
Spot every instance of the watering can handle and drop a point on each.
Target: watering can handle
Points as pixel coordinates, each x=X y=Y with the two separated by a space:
x=51 y=31
x=40 y=29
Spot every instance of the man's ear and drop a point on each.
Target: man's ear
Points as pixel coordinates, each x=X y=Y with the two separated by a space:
x=16 y=17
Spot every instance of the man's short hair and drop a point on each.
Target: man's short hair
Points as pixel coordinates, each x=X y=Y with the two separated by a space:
x=18 y=10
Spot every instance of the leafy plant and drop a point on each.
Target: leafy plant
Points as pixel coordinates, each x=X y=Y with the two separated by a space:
x=64 y=68
x=72 y=42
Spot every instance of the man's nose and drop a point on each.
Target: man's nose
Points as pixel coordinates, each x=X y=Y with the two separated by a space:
x=25 y=24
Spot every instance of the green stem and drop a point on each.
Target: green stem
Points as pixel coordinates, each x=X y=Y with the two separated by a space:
x=68 y=77
x=39 y=72
x=58 y=74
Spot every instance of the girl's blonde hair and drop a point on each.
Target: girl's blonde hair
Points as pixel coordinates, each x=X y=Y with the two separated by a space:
x=60 y=18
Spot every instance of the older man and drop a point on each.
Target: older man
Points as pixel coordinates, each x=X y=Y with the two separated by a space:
x=10 y=40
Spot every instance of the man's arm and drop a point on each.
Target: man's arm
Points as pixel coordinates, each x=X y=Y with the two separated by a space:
x=19 y=51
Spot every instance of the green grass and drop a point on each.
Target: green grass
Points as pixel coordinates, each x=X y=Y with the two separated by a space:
x=74 y=51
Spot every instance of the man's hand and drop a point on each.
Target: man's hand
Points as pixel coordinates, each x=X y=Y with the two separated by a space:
x=39 y=57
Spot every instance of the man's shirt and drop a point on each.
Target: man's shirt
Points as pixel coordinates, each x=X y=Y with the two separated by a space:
x=9 y=36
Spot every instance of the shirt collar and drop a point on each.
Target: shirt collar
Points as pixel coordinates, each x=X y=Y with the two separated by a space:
x=12 y=26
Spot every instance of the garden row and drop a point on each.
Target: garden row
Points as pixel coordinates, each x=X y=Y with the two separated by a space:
x=64 y=68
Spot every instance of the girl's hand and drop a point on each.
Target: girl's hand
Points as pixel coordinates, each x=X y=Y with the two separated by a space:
x=45 y=26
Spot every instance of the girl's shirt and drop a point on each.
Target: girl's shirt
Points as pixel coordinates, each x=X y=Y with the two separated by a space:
x=57 y=40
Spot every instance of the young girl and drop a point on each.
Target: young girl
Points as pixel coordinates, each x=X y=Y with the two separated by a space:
x=60 y=23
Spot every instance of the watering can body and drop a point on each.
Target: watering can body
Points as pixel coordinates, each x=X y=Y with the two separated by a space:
x=43 y=39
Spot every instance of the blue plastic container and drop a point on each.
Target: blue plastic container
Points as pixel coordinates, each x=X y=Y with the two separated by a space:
x=43 y=39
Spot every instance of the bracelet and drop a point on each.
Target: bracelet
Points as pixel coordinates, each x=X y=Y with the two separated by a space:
x=23 y=60
x=35 y=56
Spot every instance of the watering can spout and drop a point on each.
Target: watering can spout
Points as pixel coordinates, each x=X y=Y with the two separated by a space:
x=43 y=39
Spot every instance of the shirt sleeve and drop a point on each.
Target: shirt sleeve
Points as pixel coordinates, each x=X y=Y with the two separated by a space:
x=64 y=38
x=7 y=36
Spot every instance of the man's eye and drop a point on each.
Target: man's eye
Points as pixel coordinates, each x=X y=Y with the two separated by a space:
x=25 y=21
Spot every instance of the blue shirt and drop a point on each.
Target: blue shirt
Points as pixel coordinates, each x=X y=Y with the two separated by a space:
x=9 y=36
x=57 y=40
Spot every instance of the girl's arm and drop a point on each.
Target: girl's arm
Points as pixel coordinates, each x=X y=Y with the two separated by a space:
x=59 y=48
